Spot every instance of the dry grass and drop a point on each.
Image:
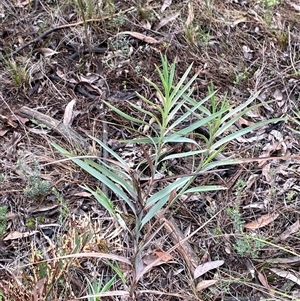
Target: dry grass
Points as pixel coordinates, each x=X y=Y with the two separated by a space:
x=242 y=47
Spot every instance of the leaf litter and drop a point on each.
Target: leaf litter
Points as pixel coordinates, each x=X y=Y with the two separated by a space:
x=242 y=47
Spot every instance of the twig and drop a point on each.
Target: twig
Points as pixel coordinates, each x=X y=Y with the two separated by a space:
x=185 y=249
x=57 y=126
x=46 y=33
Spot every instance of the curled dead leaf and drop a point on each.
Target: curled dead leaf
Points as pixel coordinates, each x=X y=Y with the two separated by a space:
x=190 y=17
x=290 y=230
x=290 y=275
x=207 y=266
x=140 y=36
x=165 y=5
x=166 y=20
x=17 y=235
x=47 y=52
x=263 y=280
x=163 y=256
x=68 y=116
x=264 y=220
x=205 y=284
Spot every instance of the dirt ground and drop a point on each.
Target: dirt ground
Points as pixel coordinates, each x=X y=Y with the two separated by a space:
x=57 y=53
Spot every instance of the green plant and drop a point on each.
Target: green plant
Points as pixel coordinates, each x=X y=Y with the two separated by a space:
x=270 y=3
x=19 y=72
x=37 y=189
x=89 y=9
x=291 y=195
x=195 y=35
x=3 y=219
x=241 y=76
x=190 y=33
x=240 y=184
x=144 y=13
x=236 y=218
x=64 y=210
x=97 y=287
x=165 y=126
x=244 y=244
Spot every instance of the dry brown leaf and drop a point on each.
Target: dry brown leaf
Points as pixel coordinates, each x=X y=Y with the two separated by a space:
x=247 y=51
x=8 y=120
x=3 y=132
x=23 y=3
x=252 y=179
x=207 y=266
x=264 y=220
x=90 y=78
x=266 y=172
x=163 y=256
x=263 y=280
x=166 y=20
x=278 y=95
x=205 y=284
x=295 y=6
x=190 y=17
x=39 y=289
x=36 y=209
x=97 y=255
x=290 y=230
x=68 y=115
x=140 y=36
x=288 y=260
x=18 y=118
x=83 y=194
x=165 y=5
x=17 y=235
x=148 y=259
x=47 y=52
x=244 y=122
x=293 y=276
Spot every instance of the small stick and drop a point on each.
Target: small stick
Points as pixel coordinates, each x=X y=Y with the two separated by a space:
x=46 y=33
x=67 y=132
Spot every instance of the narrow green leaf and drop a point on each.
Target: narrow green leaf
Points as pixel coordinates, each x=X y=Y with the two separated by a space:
x=175 y=138
x=174 y=111
x=103 y=179
x=147 y=112
x=201 y=102
x=203 y=121
x=153 y=140
x=189 y=112
x=184 y=155
x=114 y=177
x=204 y=189
x=156 y=207
x=155 y=87
x=233 y=119
x=115 y=267
x=100 y=177
x=178 y=90
x=243 y=131
x=108 y=285
x=214 y=164
x=124 y=115
x=102 y=199
x=183 y=90
x=110 y=151
x=166 y=191
x=240 y=107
